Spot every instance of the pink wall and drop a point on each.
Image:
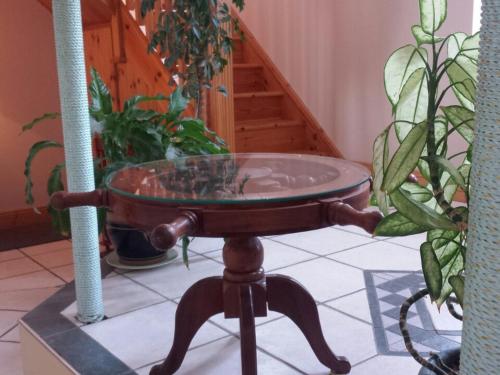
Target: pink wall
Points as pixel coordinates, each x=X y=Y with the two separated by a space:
x=28 y=88
x=333 y=53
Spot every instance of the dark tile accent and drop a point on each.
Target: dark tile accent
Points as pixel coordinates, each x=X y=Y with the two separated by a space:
x=394 y=313
x=400 y=284
x=78 y=349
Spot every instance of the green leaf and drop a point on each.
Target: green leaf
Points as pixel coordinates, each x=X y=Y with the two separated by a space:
x=455 y=44
x=398 y=69
x=448 y=167
x=101 y=98
x=178 y=102
x=452 y=264
x=34 y=150
x=397 y=224
x=422 y=37
x=462 y=73
x=45 y=116
x=60 y=219
x=380 y=157
x=457 y=284
x=462 y=120
x=417 y=192
x=418 y=212
x=405 y=159
x=440 y=237
x=413 y=103
x=470 y=47
x=432 y=270
x=133 y=101
x=432 y=14
x=185 y=255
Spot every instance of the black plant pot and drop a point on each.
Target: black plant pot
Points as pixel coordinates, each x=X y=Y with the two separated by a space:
x=450 y=358
x=133 y=246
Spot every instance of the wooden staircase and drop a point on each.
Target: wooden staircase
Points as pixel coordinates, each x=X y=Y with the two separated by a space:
x=269 y=115
x=262 y=112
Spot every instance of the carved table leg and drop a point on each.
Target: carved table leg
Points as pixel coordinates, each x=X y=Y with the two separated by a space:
x=289 y=298
x=245 y=293
x=198 y=304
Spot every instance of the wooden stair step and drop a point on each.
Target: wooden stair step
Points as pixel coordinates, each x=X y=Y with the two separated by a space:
x=271 y=123
x=248 y=78
x=258 y=105
x=238 y=51
x=270 y=135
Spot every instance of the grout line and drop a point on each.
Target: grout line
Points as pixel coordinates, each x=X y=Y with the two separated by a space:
x=9 y=329
x=280 y=360
x=347 y=314
x=45 y=268
x=10 y=342
x=366 y=360
x=15 y=310
x=344 y=295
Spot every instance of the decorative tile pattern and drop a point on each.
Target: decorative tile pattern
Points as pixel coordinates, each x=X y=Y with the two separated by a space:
x=386 y=292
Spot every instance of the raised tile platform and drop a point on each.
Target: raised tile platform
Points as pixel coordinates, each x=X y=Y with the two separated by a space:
x=358 y=282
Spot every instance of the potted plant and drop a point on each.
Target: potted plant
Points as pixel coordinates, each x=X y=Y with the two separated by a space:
x=195 y=36
x=132 y=135
x=419 y=79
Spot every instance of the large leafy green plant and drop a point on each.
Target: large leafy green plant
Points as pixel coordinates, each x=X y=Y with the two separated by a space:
x=195 y=37
x=419 y=79
x=132 y=135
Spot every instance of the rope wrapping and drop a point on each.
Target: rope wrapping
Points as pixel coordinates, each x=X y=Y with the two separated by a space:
x=78 y=155
x=481 y=330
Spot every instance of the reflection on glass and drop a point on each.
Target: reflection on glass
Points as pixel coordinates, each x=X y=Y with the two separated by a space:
x=234 y=178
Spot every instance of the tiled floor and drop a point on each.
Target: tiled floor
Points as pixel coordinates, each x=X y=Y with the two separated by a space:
x=357 y=281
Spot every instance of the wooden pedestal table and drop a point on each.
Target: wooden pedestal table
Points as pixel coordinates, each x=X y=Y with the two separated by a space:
x=238 y=197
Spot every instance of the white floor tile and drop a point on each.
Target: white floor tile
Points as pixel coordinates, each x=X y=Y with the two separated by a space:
x=353 y=229
x=223 y=357
x=35 y=280
x=8 y=319
x=12 y=335
x=346 y=336
x=443 y=320
x=382 y=365
x=380 y=255
x=233 y=325
x=413 y=241
x=10 y=359
x=17 y=267
x=9 y=255
x=326 y=279
x=46 y=247
x=323 y=241
x=25 y=300
x=173 y=280
x=276 y=255
x=145 y=336
x=55 y=258
x=202 y=245
x=120 y=295
x=67 y=273
x=355 y=304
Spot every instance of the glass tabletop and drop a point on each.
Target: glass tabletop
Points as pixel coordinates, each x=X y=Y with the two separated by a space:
x=237 y=178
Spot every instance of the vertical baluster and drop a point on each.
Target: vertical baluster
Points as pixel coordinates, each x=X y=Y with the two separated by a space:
x=138 y=16
x=130 y=4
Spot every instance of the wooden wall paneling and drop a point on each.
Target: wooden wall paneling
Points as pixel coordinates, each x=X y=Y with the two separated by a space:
x=220 y=108
x=99 y=54
x=143 y=73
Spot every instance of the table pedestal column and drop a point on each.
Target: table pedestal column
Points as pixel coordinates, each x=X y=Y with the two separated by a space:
x=245 y=292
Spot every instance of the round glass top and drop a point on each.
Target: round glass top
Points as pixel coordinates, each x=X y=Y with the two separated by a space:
x=237 y=178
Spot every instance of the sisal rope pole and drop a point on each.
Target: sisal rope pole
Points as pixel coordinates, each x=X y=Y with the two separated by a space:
x=78 y=155
x=481 y=330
